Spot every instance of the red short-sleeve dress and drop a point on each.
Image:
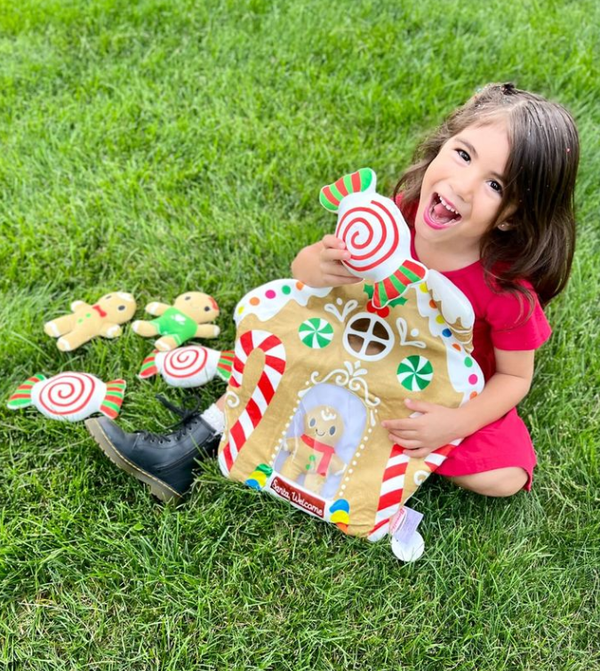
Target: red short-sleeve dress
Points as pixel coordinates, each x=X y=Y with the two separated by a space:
x=502 y=321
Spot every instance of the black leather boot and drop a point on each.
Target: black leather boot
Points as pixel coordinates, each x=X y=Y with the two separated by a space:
x=164 y=462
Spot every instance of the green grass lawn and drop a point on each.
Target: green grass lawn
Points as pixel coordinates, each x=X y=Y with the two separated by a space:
x=160 y=146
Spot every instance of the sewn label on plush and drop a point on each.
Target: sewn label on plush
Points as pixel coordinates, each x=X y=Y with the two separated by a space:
x=316 y=371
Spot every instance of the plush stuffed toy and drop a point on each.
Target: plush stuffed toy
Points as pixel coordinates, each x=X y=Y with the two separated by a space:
x=190 y=366
x=187 y=318
x=70 y=396
x=312 y=455
x=316 y=370
x=104 y=318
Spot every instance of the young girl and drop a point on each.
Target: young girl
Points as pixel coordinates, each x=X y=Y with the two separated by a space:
x=489 y=200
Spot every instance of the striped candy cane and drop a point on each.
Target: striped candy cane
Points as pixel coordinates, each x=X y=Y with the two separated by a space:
x=392 y=486
x=437 y=457
x=252 y=414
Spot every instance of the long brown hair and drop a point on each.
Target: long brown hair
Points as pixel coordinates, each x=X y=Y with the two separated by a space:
x=539 y=186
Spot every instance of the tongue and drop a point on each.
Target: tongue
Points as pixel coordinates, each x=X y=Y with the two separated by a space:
x=442 y=215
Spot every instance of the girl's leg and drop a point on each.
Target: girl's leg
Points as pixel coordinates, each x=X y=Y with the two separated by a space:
x=499 y=482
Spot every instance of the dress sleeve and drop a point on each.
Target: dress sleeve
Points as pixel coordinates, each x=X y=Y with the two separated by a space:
x=512 y=327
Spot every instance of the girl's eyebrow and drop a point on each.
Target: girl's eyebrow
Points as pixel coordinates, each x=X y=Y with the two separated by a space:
x=468 y=145
x=473 y=151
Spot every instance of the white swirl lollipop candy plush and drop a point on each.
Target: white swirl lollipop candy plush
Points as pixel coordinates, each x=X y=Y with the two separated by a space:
x=190 y=366
x=376 y=235
x=69 y=396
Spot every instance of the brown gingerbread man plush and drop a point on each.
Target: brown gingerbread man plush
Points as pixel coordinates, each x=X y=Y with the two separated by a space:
x=187 y=318
x=104 y=318
x=313 y=453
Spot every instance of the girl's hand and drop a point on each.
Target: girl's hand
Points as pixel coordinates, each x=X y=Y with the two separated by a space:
x=434 y=427
x=320 y=265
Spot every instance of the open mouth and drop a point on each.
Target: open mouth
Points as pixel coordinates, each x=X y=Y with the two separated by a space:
x=441 y=213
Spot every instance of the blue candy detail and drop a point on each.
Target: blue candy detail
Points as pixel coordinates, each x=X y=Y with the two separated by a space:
x=340 y=504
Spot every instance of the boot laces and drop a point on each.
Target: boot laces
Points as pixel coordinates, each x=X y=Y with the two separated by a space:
x=187 y=418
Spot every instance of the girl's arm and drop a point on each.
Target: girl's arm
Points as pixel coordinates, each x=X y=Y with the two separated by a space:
x=320 y=265
x=438 y=425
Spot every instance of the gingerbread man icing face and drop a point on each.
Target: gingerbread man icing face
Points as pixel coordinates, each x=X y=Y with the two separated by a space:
x=324 y=424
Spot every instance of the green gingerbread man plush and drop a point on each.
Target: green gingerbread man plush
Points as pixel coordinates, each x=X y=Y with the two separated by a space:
x=176 y=324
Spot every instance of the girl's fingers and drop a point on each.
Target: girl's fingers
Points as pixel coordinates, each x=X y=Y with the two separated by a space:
x=399 y=426
x=417 y=454
x=406 y=444
x=336 y=255
x=336 y=280
x=337 y=270
x=331 y=242
x=400 y=436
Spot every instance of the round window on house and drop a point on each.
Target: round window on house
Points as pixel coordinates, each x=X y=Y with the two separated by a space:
x=368 y=337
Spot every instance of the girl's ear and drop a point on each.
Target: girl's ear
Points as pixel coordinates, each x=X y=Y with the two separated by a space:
x=505 y=225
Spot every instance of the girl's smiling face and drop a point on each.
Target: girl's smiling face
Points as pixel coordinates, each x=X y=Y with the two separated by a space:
x=462 y=189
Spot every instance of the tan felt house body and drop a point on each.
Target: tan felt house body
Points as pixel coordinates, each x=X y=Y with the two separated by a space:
x=308 y=355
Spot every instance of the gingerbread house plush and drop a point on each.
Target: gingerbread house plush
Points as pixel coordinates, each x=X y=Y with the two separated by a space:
x=316 y=370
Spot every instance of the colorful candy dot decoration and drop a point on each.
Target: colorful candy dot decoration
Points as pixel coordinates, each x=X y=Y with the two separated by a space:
x=69 y=396
x=340 y=514
x=415 y=373
x=259 y=476
x=316 y=333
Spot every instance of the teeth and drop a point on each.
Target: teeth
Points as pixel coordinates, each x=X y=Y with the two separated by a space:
x=445 y=204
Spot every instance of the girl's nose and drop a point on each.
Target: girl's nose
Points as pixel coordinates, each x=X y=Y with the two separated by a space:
x=464 y=184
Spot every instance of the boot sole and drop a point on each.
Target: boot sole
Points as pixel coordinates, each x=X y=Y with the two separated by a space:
x=158 y=488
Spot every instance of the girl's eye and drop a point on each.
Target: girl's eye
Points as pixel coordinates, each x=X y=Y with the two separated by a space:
x=463 y=154
x=496 y=186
